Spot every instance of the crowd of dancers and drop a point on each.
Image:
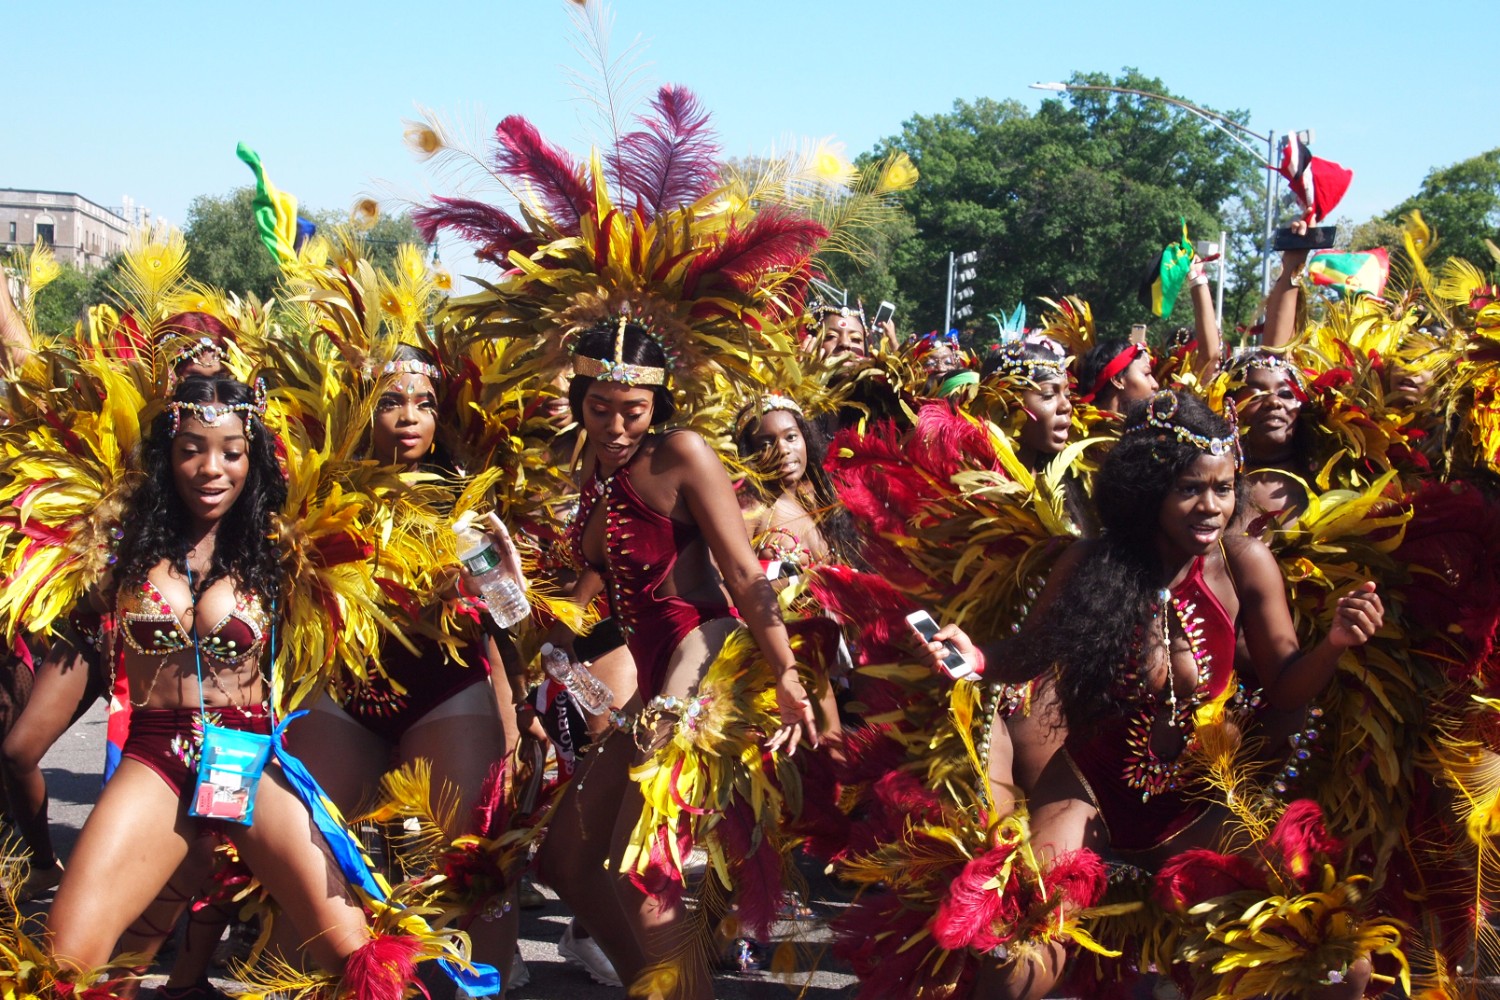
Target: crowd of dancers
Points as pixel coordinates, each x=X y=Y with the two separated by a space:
x=1209 y=706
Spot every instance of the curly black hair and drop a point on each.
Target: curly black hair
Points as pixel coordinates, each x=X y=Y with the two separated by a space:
x=1096 y=626
x=639 y=348
x=834 y=522
x=155 y=518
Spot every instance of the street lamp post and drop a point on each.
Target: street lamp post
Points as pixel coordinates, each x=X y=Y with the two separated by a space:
x=1229 y=127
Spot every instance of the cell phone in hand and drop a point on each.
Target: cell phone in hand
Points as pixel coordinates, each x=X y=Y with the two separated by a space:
x=886 y=311
x=954 y=663
x=1316 y=238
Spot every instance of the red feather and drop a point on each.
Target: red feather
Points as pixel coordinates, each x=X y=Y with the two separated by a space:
x=868 y=602
x=772 y=240
x=1079 y=877
x=967 y=914
x=495 y=232
x=557 y=180
x=756 y=869
x=1302 y=840
x=489 y=815
x=671 y=162
x=1198 y=875
x=381 y=968
x=945 y=443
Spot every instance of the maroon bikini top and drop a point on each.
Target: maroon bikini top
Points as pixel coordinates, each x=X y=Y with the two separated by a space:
x=152 y=627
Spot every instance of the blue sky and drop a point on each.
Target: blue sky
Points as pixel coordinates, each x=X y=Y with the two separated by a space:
x=149 y=99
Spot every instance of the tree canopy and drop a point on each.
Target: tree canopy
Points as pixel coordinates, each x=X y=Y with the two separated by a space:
x=224 y=249
x=1461 y=203
x=1078 y=198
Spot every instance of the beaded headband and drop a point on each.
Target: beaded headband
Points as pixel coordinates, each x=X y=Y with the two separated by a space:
x=214 y=414
x=1160 y=411
x=767 y=404
x=821 y=310
x=1010 y=364
x=411 y=366
x=617 y=370
x=191 y=351
x=1270 y=362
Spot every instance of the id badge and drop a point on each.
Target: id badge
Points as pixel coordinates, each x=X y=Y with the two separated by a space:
x=230 y=764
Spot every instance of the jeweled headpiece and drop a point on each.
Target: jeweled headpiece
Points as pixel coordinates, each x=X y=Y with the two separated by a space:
x=214 y=414
x=1270 y=360
x=617 y=370
x=1009 y=363
x=410 y=366
x=1161 y=413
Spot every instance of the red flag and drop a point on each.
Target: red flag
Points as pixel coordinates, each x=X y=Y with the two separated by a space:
x=1317 y=184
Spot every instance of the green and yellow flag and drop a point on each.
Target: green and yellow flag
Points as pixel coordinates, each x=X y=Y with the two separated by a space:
x=275 y=210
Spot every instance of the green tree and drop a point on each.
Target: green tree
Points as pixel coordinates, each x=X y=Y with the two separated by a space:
x=1078 y=198
x=63 y=301
x=1461 y=203
x=225 y=251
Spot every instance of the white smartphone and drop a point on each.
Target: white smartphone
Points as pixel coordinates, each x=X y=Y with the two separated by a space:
x=886 y=310
x=954 y=663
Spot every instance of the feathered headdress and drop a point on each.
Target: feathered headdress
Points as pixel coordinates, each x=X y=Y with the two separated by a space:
x=642 y=232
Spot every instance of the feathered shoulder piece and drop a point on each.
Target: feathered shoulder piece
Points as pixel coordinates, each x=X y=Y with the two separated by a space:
x=642 y=232
x=63 y=482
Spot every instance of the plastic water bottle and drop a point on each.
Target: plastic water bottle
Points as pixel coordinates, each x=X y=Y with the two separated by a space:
x=501 y=592
x=588 y=692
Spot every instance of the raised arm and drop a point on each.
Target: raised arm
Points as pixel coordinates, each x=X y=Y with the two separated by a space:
x=710 y=499
x=1289 y=676
x=1285 y=294
x=1205 y=322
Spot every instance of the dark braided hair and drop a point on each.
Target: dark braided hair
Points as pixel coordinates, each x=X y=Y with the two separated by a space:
x=1097 y=625
x=155 y=517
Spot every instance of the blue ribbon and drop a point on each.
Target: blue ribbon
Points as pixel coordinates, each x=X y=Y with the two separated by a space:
x=478 y=980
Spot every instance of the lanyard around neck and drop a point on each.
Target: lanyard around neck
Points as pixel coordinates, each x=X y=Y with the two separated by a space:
x=198 y=651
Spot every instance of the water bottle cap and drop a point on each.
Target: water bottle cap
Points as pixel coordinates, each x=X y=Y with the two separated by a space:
x=547 y=647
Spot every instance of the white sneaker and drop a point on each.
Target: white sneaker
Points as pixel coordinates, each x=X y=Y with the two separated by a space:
x=587 y=955
x=519 y=975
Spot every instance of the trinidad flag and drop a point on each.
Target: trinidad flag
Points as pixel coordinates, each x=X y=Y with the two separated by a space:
x=1317 y=184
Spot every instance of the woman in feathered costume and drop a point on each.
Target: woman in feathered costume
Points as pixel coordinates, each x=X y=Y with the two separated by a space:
x=86 y=396
x=424 y=700
x=651 y=298
x=1133 y=643
x=196 y=592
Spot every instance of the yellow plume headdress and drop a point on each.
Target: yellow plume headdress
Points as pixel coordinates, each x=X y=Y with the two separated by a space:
x=644 y=233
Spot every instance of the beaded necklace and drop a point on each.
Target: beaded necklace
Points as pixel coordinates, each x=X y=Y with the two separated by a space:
x=1144 y=770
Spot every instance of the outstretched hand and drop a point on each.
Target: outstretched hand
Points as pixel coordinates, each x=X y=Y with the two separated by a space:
x=795 y=710
x=1359 y=616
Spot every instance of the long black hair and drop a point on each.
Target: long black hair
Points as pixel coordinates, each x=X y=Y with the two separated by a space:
x=155 y=518
x=638 y=348
x=834 y=522
x=1099 y=623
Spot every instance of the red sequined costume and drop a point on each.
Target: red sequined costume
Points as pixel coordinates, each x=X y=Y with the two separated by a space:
x=640 y=550
x=1137 y=817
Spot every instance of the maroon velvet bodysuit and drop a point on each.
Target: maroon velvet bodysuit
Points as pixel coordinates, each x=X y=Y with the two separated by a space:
x=640 y=550
x=1098 y=754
